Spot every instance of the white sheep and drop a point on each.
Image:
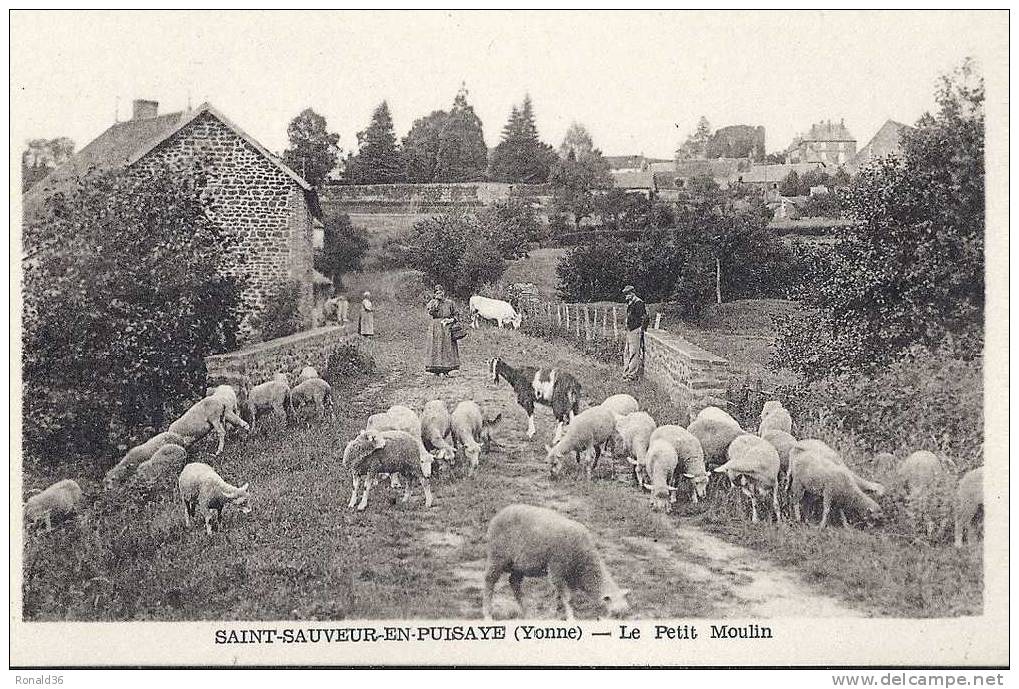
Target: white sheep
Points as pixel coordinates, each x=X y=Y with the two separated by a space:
x=528 y=541
x=435 y=430
x=138 y=454
x=169 y=459
x=824 y=449
x=58 y=501
x=621 y=404
x=783 y=442
x=209 y=414
x=471 y=430
x=270 y=396
x=920 y=470
x=307 y=373
x=632 y=437
x=200 y=486
x=689 y=456
x=717 y=414
x=374 y=452
x=969 y=500
x=315 y=392
x=777 y=418
x=715 y=435
x=814 y=473
x=755 y=461
x=229 y=396
x=587 y=434
x=399 y=418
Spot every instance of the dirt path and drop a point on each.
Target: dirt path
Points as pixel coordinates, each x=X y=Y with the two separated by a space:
x=673 y=568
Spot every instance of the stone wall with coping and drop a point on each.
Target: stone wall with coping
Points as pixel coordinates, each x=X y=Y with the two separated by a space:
x=689 y=374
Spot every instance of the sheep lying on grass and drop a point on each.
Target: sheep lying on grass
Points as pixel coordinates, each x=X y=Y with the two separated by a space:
x=587 y=434
x=271 y=396
x=969 y=501
x=57 y=502
x=209 y=414
x=435 y=430
x=775 y=417
x=753 y=461
x=528 y=541
x=138 y=454
x=200 y=486
x=375 y=452
x=815 y=474
x=689 y=461
x=632 y=437
x=307 y=373
x=470 y=430
x=621 y=404
x=168 y=460
x=312 y=392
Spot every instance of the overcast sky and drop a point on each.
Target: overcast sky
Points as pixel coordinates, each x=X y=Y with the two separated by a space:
x=638 y=81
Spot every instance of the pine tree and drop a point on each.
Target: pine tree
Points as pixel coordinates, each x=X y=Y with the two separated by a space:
x=378 y=160
x=521 y=156
x=462 y=154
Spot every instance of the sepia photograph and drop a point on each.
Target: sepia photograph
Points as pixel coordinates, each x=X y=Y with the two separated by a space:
x=509 y=338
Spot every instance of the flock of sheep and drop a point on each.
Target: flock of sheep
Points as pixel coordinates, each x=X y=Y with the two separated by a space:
x=771 y=467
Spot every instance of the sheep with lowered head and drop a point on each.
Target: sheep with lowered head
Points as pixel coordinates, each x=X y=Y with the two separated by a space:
x=205 y=415
x=716 y=414
x=56 y=502
x=824 y=449
x=632 y=437
x=470 y=428
x=815 y=474
x=921 y=469
x=138 y=454
x=783 y=442
x=969 y=500
x=528 y=541
x=270 y=396
x=201 y=487
x=620 y=404
x=307 y=373
x=689 y=456
x=229 y=397
x=373 y=452
x=435 y=430
x=168 y=460
x=715 y=435
x=753 y=461
x=586 y=435
x=312 y=392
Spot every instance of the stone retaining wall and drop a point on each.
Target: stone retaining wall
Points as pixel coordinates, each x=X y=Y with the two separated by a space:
x=258 y=363
x=688 y=373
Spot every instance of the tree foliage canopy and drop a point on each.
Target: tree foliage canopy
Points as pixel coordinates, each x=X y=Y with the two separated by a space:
x=521 y=156
x=314 y=150
x=580 y=171
x=42 y=156
x=421 y=147
x=378 y=160
x=462 y=155
x=344 y=247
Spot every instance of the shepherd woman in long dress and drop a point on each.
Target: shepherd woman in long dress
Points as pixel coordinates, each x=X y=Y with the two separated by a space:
x=443 y=353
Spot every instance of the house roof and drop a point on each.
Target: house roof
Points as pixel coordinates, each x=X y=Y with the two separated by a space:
x=762 y=174
x=125 y=143
x=634 y=162
x=638 y=179
x=886 y=140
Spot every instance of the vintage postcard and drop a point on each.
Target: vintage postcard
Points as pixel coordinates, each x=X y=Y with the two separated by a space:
x=534 y=338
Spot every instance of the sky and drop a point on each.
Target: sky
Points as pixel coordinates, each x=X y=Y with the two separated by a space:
x=639 y=81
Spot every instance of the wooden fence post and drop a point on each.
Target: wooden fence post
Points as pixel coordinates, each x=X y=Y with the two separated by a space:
x=576 y=319
x=615 y=325
x=566 y=308
x=658 y=321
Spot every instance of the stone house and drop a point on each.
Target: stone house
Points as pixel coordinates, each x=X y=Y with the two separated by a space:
x=827 y=142
x=887 y=141
x=251 y=192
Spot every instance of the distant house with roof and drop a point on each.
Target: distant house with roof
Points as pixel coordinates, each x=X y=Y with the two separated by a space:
x=769 y=177
x=633 y=163
x=887 y=141
x=827 y=142
x=725 y=171
x=270 y=208
x=635 y=181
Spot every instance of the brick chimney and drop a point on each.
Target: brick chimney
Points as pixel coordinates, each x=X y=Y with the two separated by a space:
x=145 y=109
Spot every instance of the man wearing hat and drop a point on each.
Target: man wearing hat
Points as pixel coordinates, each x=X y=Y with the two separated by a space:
x=637 y=321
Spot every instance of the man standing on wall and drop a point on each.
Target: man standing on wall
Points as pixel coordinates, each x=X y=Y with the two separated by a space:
x=637 y=321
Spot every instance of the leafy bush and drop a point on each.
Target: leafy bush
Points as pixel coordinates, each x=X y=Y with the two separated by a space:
x=348 y=361
x=124 y=295
x=344 y=247
x=511 y=225
x=455 y=250
x=281 y=315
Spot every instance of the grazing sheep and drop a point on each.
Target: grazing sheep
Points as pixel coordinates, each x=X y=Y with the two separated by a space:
x=138 y=454
x=753 y=460
x=814 y=473
x=307 y=373
x=229 y=396
x=58 y=501
x=398 y=418
x=375 y=452
x=621 y=404
x=435 y=430
x=783 y=442
x=715 y=435
x=271 y=396
x=632 y=437
x=690 y=458
x=549 y=386
x=716 y=414
x=920 y=470
x=587 y=434
x=169 y=459
x=470 y=429
x=777 y=419
x=770 y=406
x=313 y=391
x=529 y=541
x=969 y=500
x=824 y=449
x=206 y=415
x=660 y=464
x=201 y=486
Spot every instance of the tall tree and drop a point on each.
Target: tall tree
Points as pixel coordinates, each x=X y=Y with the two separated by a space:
x=521 y=156
x=42 y=156
x=378 y=160
x=344 y=247
x=314 y=150
x=421 y=147
x=580 y=171
x=696 y=145
x=462 y=154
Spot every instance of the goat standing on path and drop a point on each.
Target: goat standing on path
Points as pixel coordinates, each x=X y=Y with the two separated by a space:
x=549 y=386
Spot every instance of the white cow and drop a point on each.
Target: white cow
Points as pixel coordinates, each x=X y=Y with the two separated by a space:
x=493 y=309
